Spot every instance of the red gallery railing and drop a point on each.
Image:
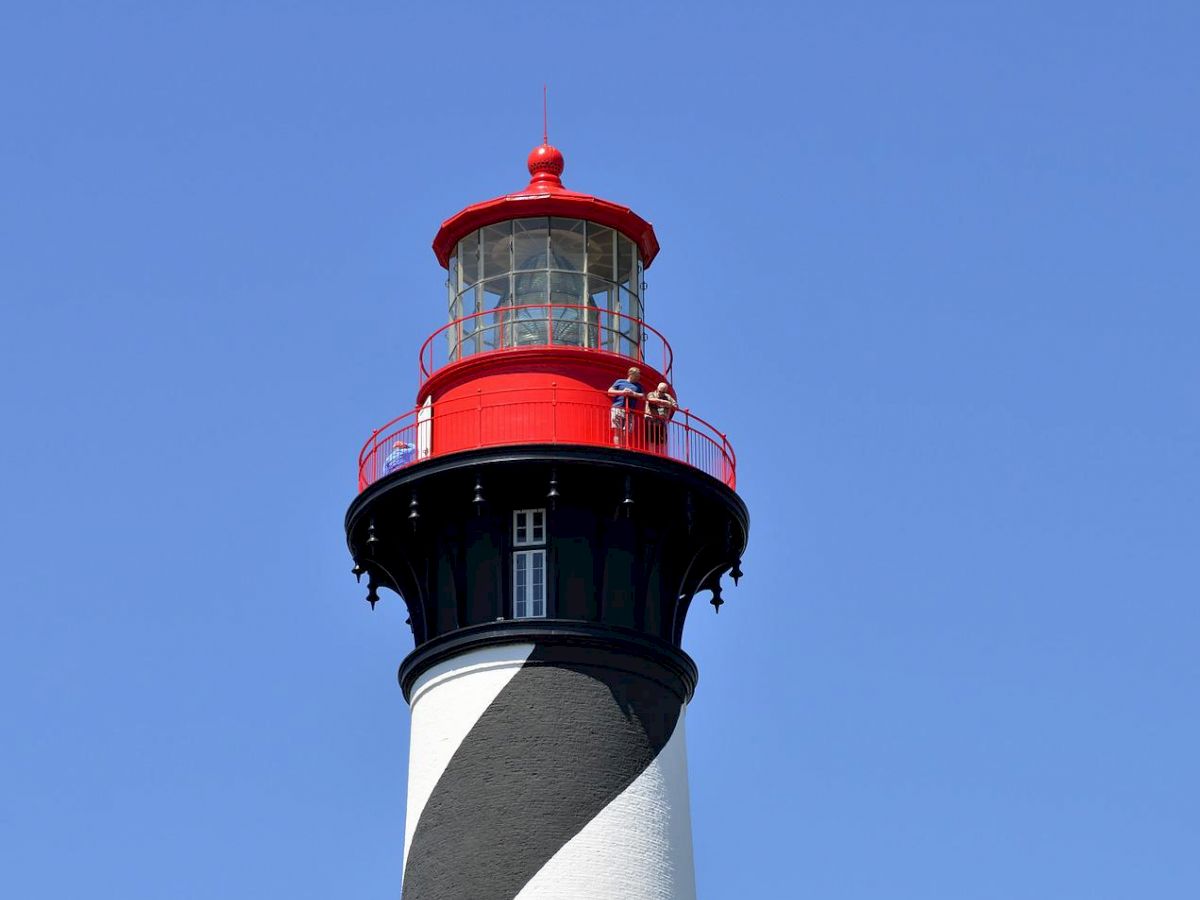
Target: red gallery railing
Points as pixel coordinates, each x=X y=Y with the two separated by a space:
x=512 y=328
x=550 y=416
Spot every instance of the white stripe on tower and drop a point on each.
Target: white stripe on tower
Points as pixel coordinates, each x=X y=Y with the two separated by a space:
x=640 y=845
x=447 y=701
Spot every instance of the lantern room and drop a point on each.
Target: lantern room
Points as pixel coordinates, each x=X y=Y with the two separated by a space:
x=545 y=280
x=545 y=267
x=545 y=311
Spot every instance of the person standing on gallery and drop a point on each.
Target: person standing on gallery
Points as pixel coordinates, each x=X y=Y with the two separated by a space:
x=626 y=392
x=660 y=407
x=401 y=455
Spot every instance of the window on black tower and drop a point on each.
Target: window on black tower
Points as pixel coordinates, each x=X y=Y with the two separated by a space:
x=529 y=564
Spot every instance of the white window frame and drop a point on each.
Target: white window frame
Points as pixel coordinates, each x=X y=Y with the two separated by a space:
x=524 y=519
x=525 y=601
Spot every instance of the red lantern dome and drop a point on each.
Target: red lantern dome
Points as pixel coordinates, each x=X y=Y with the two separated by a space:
x=546 y=196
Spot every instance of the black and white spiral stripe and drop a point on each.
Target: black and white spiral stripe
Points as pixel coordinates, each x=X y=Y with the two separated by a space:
x=542 y=771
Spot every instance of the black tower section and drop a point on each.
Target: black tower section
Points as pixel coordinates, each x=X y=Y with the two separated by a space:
x=631 y=538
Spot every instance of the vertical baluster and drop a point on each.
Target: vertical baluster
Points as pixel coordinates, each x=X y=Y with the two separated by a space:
x=373 y=459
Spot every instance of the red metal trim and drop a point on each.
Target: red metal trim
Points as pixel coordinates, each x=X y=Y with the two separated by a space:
x=660 y=358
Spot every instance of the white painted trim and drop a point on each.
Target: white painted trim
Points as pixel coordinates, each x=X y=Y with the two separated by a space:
x=529 y=541
x=425 y=429
x=529 y=597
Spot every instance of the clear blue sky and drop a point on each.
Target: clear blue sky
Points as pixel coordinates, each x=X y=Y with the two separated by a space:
x=933 y=266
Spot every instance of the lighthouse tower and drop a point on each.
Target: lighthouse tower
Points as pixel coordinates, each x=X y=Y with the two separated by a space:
x=547 y=538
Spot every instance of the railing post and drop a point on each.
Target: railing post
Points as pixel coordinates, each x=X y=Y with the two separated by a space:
x=374 y=455
x=687 y=439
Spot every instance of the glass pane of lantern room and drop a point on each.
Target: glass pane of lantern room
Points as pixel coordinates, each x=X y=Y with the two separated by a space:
x=496 y=297
x=625 y=263
x=529 y=243
x=531 y=288
x=468 y=301
x=640 y=290
x=566 y=289
x=455 y=328
x=600 y=295
x=566 y=244
x=496 y=292
x=470 y=326
x=496 y=249
x=631 y=338
x=527 y=324
x=566 y=296
x=468 y=258
x=601 y=252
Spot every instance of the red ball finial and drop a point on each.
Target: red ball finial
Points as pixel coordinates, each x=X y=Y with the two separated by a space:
x=546 y=165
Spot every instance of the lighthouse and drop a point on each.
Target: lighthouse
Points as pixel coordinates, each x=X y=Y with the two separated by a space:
x=547 y=511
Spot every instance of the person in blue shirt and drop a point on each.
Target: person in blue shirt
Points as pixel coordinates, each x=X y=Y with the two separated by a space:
x=626 y=392
x=401 y=455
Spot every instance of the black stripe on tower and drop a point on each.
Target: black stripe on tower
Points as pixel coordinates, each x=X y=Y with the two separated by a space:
x=567 y=734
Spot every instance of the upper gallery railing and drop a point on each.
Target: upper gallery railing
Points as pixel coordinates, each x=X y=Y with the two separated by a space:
x=550 y=416
x=508 y=328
